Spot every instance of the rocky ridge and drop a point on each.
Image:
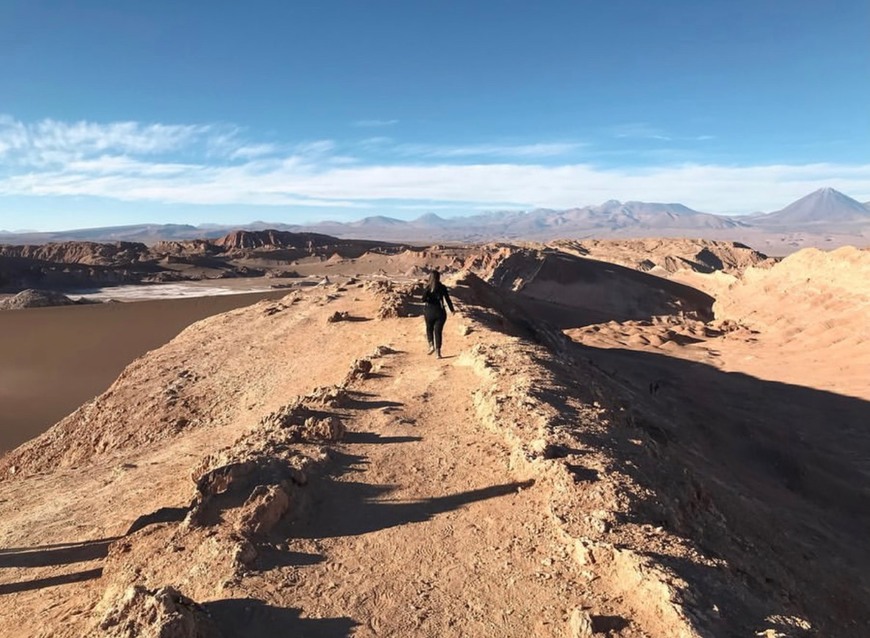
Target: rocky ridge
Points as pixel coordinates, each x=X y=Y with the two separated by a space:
x=241 y=481
x=667 y=256
x=285 y=254
x=238 y=254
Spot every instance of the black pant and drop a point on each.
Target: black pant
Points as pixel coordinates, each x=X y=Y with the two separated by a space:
x=435 y=317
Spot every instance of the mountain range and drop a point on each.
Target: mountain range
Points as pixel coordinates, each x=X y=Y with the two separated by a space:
x=823 y=212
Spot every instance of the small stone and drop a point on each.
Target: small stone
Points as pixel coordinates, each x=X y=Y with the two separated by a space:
x=244 y=553
x=603 y=526
x=263 y=509
x=583 y=554
x=580 y=624
x=329 y=428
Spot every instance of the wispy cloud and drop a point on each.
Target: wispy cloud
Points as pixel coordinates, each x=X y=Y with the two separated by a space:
x=376 y=142
x=537 y=150
x=644 y=131
x=375 y=123
x=317 y=147
x=640 y=130
x=253 y=150
x=50 y=140
x=177 y=164
x=114 y=165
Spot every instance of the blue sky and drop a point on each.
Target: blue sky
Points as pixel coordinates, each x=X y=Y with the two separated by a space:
x=227 y=112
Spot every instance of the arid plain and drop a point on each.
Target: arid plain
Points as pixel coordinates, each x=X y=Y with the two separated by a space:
x=656 y=437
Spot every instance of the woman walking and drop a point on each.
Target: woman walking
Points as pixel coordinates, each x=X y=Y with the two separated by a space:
x=435 y=296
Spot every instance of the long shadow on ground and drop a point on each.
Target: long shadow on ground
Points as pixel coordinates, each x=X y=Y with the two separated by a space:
x=361 y=404
x=376 y=439
x=349 y=508
x=51 y=581
x=253 y=618
x=58 y=554
x=771 y=479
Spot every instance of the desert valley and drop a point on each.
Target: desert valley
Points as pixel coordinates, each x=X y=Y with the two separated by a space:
x=434 y=319
x=625 y=437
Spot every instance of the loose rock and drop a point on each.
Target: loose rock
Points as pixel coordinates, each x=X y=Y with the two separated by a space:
x=580 y=625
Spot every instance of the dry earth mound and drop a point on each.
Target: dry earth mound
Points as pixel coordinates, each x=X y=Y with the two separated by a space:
x=812 y=311
x=803 y=284
x=802 y=321
x=783 y=459
x=35 y=299
x=579 y=290
x=666 y=256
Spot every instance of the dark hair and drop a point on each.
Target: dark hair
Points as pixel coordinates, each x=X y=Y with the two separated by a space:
x=434 y=280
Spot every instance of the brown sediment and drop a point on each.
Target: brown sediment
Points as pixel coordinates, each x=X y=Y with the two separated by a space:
x=54 y=359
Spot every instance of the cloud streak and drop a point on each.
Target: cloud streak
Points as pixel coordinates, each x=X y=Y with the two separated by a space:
x=539 y=150
x=50 y=141
x=640 y=130
x=216 y=165
x=375 y=123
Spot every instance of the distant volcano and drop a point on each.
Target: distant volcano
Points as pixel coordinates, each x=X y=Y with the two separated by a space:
x=823 y=206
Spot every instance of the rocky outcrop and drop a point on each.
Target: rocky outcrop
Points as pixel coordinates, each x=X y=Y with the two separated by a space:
x=201 y=247
x=31 y=298
x=117 y=254
x=302 y=423
x=251 y=239
x=75 y=265
x=398 y=300
x=162 y=613
x=242 y=493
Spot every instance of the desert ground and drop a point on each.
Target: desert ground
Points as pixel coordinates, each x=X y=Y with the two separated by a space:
x=630 y=438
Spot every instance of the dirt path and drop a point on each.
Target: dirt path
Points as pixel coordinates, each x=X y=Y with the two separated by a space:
x=418 y=528
x=437 y=514
x=422 y=529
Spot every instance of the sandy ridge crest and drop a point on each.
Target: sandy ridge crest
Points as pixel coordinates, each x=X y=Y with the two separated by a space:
x=607 y=539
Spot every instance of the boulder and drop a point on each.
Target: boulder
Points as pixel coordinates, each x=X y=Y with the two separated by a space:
x=163 y=613
x=31 y=298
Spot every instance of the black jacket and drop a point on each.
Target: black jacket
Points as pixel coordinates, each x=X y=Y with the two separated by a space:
x=437 y=298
